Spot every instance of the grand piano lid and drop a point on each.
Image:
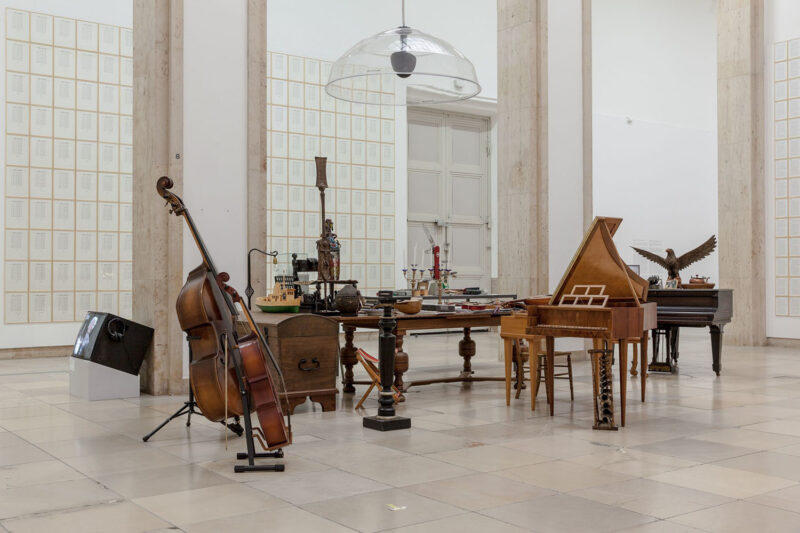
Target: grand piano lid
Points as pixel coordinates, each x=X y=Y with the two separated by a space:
x=597 y=262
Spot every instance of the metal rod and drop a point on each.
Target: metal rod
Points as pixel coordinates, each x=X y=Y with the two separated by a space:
x=404 y=12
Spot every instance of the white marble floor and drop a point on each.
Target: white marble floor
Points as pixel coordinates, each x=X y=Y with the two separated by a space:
x=703 y=454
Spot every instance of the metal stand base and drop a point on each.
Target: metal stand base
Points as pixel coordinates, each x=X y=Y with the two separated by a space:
x=259 y=468
x=189 y=409
x=386 y=423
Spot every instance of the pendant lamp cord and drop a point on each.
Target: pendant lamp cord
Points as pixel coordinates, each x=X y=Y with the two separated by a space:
x=403 y=2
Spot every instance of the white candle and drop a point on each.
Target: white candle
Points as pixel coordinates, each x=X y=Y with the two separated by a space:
x=415 y=255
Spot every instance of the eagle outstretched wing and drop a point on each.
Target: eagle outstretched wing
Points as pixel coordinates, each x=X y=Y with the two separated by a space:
x=698 y=253
x=651 y=256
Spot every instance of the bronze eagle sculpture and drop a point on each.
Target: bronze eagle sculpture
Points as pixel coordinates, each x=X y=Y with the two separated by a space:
x=675 y=264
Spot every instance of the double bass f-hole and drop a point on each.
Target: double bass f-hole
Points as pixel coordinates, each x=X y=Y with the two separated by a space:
x=302 y=362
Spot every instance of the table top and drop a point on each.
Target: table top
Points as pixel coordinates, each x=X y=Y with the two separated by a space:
x=421 y=320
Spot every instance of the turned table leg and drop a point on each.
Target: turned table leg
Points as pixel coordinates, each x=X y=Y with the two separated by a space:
x=466 y=349
x=348 y=356
x=400 y=365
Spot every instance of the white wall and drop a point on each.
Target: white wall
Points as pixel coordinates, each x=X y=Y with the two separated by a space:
x=117 y=12
x=215 y=133
x=564 y=133
x=654 y=61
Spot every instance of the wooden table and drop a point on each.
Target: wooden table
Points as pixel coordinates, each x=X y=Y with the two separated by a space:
x=424 y=320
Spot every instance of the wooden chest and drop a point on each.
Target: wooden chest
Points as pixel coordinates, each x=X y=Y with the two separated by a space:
x=307 y=348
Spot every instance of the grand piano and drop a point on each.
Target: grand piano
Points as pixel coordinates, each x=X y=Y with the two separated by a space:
x=599 y=298
x=693 y=308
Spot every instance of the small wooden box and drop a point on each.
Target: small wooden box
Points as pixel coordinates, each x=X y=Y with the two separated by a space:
x=306 y=346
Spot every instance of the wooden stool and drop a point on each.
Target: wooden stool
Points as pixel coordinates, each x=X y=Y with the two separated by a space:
x=513 y=343
x=369 y=362
x=542 y=361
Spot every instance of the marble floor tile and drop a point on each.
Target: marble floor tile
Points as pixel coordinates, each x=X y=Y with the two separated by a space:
x=562 y=476
x=781 y=426
x=403 y=471
x=566 y=513
x=121 y=517
x=478 y=491
x=21 y=453
x=81 y=447
x=488 y=458
x=209 y=503
x=728 y=482
x=742 y=517
x=112 y=463
x=771 y=463
x=377 y=511
x=149 y=481
x=747 y=438
x=787 y=499
x=463 y=523
x=701 y=451
x=21 y=501
x=36 y=473
x=652 y=498
x=281 y=519
x=308 y=487
x=558 y=446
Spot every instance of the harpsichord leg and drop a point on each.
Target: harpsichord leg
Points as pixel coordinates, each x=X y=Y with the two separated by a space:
x=716 y=347
x=643 y=358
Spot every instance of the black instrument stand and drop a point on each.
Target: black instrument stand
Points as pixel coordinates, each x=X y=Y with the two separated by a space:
x=251 y=454
x=190 y=408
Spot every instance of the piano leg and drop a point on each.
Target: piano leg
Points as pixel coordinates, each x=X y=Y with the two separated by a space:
x=623 y=378
x=716 y=347
x=509 y=352
x=643 y=358
x=550 y=342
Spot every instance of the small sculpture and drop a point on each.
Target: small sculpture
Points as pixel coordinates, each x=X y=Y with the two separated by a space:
x=675 y=264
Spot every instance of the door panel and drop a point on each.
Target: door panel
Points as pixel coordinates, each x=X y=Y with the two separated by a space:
x=424 y=194
x=467 y=197
x=448 y=192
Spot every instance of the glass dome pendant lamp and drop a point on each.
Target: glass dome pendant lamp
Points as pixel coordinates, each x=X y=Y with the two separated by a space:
x=422 y=68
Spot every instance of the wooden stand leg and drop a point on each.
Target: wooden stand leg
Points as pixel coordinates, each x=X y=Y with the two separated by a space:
x=508 y=353
x=635 y=361
x=466 y=349
x=400 y=365
x=643 y=370
x=623 y=378
x=549 y=378
x=348 y=356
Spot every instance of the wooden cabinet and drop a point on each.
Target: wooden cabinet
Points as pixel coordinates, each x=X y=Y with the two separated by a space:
x=307 y=347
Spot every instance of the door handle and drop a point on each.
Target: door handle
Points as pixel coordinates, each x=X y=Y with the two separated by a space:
x=314 y=362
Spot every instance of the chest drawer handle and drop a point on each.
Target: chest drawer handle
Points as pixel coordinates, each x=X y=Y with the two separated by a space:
x=302 y=362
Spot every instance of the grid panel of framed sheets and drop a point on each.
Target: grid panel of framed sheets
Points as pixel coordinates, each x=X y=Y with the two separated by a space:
x=787 y=178
x=68 y=172
x=358 y=140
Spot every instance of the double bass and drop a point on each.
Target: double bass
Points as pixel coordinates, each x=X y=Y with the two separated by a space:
x=208 y=315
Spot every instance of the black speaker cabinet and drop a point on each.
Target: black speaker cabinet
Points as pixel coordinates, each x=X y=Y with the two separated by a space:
x=112 y=341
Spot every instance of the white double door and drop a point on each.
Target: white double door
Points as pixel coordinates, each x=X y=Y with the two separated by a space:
x=449 y=194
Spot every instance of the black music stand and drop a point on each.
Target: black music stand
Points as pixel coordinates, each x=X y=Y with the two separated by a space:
x=190 y=408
